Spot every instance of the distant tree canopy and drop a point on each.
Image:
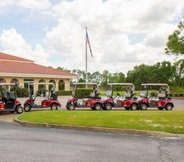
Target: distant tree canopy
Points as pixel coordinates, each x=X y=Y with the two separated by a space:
x=161 y=72
x=175 y=44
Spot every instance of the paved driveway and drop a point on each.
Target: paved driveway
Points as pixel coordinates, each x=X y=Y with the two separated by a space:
x=28 y=144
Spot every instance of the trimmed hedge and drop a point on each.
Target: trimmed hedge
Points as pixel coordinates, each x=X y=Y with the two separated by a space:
x=64 y=93
x=79 y=93
x=83 y=93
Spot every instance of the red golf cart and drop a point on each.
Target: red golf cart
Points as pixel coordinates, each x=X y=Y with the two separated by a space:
x=161 y=101
x=49 y=100
x=94 y=100
x=8 y=99
x=129 y=101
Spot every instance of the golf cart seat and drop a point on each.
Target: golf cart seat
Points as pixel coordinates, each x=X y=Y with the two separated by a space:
x=92 y=95
x=53 y=96
x=12 y=97
x=96 y=96
x=127 y=95
x=73 y=93
x=5 y=96
x=161 y=95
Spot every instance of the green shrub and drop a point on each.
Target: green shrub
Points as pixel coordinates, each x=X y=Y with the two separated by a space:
x=64 y=93
x=83 y=93
x=41 y=92
x=21 y=92
x=176 y=95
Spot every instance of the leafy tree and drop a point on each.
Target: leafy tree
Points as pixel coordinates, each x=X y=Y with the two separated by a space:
x=80 y=73
x=179 y=72
x=63 y=69
x=163 y=72
x=140 y=74
x=175 y=44
x=105 y=78
x=121 y=78
x=96 y=77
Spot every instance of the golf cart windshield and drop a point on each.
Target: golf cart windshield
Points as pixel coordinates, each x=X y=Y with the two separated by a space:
x=109 y=93
x=143 y=93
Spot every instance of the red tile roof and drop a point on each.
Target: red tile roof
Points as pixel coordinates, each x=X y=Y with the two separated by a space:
x=13 y=64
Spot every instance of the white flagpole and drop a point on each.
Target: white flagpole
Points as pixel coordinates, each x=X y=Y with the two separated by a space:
x=86 y=56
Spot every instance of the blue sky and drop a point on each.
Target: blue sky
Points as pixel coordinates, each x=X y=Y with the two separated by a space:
x=122 y=33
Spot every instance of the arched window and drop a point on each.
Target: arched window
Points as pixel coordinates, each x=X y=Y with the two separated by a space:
x=14 y=80
x=51 y=81
x=61 y=85
x=2 y=80
x=42 y=86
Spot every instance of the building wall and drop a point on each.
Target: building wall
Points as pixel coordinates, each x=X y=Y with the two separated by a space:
x=36 y=80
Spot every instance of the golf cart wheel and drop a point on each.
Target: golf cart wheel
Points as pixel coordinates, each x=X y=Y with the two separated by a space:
x=27 y=108
x=160 y=108
x=169 y=107
x=127 y=108
x=54 y=107
x=71 y=107
x=92 y=108
x=133 y=107
x=19 y=109
x=98 y=107
x=143 y=106
x=108 y=107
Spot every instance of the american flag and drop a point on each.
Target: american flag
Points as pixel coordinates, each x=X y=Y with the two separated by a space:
x=87 y=41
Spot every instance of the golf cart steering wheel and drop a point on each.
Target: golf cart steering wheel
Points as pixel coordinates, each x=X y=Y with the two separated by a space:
x=150 y=97
x=118 y=94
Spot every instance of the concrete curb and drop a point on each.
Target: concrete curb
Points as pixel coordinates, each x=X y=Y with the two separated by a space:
x=101 y=129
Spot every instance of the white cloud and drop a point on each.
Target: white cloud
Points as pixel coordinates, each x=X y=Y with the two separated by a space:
x=34 y=4
x=158 y=36
x=6 y=2
x=13 y=43
x=110 y=25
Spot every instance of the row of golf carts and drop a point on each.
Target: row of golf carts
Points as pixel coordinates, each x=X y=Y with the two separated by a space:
x=9 y=102
x=128 y=101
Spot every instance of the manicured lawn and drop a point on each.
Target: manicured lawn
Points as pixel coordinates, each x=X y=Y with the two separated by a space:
x=154 y=120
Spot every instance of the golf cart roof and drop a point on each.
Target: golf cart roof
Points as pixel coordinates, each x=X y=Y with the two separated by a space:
x=7 y=84
x=154 y=84
x=84 y=83
x=53 y=85
x=123 y=84
x=41 y=83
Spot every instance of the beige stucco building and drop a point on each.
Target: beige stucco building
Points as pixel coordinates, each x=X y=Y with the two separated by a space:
x=23 y=71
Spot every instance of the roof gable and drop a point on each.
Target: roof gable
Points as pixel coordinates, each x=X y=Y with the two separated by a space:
x=7 y=57
x=13 y=64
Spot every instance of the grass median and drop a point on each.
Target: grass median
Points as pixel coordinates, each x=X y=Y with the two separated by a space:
x=164 y=121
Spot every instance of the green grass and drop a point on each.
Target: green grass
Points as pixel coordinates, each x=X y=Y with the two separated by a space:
x=165 y=121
